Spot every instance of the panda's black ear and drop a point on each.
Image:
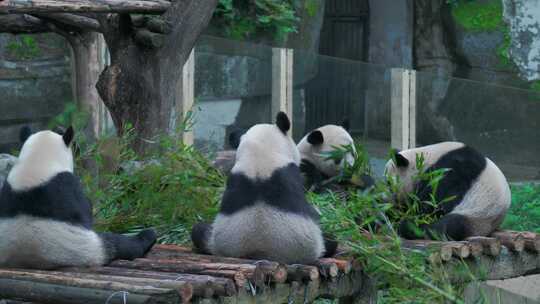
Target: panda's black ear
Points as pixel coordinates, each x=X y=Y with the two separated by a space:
x=346 y=124
x=68 y=135
x=399 y=160
x=283 y=122
x=315 y=138
x=24 y=133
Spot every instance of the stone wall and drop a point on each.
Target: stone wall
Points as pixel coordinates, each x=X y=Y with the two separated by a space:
x=35 y=82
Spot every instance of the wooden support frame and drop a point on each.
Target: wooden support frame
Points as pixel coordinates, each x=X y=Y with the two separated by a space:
x=403 y=108
x=282 y=82
x=187 y=99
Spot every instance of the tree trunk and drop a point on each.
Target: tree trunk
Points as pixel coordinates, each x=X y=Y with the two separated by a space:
x=143 y=84
x=86 y=53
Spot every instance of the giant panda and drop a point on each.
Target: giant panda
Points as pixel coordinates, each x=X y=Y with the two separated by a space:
x=264 y=213
x=474 y=193
x=45 y=218
x=314 y=149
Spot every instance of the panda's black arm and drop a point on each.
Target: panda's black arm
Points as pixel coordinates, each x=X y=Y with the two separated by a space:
x=313 y=176
x=70 y=202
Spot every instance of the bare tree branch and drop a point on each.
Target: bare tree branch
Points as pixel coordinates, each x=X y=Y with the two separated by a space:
x=82 y=22
x=17 y=24
x=81 y=6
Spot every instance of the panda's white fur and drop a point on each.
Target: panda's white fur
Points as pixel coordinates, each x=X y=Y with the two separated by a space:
x=262 y=232
x=45 y=218
x=33 y=169
x=333 y=136
x=483 y=203
x=264 y=142
x=30 y=242
x=264 y=213
x=492 y=189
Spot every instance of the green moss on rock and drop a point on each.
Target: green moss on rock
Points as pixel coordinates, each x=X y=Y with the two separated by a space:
x=476 y=16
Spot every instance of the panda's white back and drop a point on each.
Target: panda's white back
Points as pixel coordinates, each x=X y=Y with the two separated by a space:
x=264 y=213
x=29 y=242
x=265 y=232
x=491 y=188
x=35 y=182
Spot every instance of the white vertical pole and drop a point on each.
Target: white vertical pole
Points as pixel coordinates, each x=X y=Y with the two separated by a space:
x=412 y=109
x=403 y=109
x=282 y=82
x=188 y=94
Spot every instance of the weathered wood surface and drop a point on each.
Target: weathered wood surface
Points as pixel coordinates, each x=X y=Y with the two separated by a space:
x=55 y=287
x=82 y=6
x=173 y=274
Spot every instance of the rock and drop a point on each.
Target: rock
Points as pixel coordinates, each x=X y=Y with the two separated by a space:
x=6 y=163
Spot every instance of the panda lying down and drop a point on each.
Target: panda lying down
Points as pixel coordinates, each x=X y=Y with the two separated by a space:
x=45 y=218
x=474 y=193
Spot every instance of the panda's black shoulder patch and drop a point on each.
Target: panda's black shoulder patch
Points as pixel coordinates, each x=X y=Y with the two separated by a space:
x=464 y=166
x=284 y=190
x=61 y=199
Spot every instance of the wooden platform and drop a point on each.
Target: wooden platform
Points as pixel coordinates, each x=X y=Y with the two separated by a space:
x=172 y=274
x=503 y=255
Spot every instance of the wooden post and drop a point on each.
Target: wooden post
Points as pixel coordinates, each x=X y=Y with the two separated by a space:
x=282 y=82
x=188 y=96
x=403 y=109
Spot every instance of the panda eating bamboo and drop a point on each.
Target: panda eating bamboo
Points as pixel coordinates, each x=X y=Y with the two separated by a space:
x=474 y=193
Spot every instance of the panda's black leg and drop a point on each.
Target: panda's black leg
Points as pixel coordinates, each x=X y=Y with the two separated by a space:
x=455 y=227
x=123 y=247
x=200 y=234
x=330 y=246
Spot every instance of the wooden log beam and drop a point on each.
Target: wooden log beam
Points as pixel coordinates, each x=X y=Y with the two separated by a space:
x=83 y=6
x=240 y=274
x=78 y=21
x=531 y=239
x=476 y=249
x=491 y=246
x=184 y=289
x=435 y=250
x=203 y=285
x=18 y=24
x=47 y=288
x=264 y=269
x=513 y=241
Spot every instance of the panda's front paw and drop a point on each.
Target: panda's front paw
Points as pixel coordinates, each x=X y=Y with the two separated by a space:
x=408 y=230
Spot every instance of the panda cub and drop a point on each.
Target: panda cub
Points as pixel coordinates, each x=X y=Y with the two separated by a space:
x=314 y=149
x=45 y=218
x=264 y=213
x=474 y=192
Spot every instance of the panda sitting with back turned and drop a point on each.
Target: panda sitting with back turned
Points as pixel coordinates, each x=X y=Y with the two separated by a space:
x=474 y=193
x=264 y=213
x=45 y=218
